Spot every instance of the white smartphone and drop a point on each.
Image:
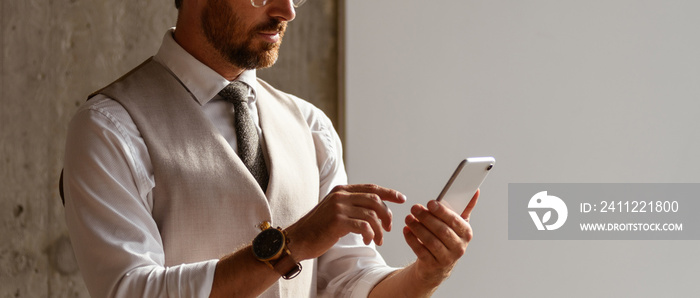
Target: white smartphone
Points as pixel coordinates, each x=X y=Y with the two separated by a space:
x=467 y=178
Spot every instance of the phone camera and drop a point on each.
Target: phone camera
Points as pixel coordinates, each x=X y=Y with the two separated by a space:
x=489 y=167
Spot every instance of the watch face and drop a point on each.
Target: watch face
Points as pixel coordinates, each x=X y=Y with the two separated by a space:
x=268 y=244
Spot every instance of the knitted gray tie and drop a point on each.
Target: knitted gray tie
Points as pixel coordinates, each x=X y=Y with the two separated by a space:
x=249 y=148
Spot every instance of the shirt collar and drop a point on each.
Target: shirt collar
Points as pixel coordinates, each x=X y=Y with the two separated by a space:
x=203 y=82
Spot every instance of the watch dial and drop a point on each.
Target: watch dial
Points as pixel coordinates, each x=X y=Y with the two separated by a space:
x=268 y=243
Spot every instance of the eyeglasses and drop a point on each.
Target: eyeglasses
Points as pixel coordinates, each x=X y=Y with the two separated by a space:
x=261 y=3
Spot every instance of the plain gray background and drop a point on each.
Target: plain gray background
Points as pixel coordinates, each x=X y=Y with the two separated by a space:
x=558 y=91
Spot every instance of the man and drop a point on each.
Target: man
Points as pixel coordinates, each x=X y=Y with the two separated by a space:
x=159 y=203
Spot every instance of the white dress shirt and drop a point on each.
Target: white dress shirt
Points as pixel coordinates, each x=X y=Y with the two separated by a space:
x=106 y=157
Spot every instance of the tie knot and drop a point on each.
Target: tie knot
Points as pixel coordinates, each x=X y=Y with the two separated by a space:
x=235 y=92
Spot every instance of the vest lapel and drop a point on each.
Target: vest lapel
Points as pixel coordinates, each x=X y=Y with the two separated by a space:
x=291 y=157
x=294 y=180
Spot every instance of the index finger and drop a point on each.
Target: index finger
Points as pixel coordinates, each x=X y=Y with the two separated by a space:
x=385 y=194
x=468 y=211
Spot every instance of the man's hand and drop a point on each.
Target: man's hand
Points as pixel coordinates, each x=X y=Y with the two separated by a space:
x=347 y=209
x=439 y=237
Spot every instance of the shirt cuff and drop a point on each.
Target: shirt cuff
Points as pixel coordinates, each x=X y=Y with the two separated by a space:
x=369 y=279
x=208 y=282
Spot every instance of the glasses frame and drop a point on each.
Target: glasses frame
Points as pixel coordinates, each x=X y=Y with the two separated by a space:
x=296 y=3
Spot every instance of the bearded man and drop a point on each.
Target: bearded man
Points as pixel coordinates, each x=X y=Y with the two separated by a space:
x=178 y=173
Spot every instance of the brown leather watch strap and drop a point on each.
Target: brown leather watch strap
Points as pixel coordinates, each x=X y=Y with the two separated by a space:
x=287 y=267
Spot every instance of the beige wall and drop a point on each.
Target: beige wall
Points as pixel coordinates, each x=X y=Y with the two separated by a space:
x=56 y=52
x=558 y=91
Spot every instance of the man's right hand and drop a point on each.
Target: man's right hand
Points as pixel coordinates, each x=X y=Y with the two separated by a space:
x=358 y=208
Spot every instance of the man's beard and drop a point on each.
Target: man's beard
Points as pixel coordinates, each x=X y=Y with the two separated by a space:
x=224 y=31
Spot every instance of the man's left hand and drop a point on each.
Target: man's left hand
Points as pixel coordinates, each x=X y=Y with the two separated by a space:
x=439 y=237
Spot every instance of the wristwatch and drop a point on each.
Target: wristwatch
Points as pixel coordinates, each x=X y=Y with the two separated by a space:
x=270 y=247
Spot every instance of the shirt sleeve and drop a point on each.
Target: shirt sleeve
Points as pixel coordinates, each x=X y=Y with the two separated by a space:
x=108 y=211
x=350 y=268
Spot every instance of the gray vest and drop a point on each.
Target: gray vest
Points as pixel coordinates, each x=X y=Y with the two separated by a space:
x=205 y=202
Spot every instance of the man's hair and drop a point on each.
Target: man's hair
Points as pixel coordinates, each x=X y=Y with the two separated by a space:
x=178 y=3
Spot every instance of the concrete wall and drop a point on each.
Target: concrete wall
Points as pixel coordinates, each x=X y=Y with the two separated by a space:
x=54 y=53
x=558 y=91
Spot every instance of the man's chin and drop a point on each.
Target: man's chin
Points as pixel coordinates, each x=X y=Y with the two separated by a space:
x=268 y=57
x=268 y=62
x=260 y=60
